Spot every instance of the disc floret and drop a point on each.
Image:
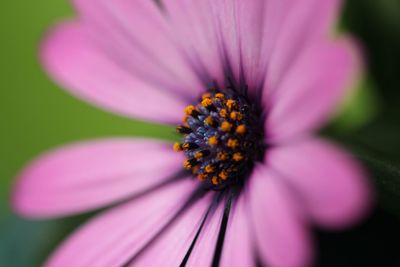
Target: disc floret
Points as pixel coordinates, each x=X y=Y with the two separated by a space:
x=222 y=138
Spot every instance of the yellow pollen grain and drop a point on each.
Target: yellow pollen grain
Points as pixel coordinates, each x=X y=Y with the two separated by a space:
x=198 y=155
x=186 y=146
x=222 y=156
x=223 y=113
x=213 y=140
x=209 y=120
x=209 y=168
x=232 y=143
x=206 y=95
x=187 y=165
x=219 y=96
x=241 y=129
x=201 y=177
x=177 y=147
x=189 y=110
x=237 y=156
x=214 y=180
x=226 y=126
x=231 y=103
x=233 y=115
x=223 y=175
x=236 y=115
x=206 y=102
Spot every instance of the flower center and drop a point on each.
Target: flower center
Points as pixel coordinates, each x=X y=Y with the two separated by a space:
x=223 y=137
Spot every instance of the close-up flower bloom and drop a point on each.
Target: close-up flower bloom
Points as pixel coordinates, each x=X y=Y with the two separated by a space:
x=247 y=84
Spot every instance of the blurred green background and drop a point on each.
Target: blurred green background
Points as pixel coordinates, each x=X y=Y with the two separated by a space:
x=36 y=115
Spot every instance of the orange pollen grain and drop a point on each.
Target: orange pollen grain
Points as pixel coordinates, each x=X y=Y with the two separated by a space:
x=230 y=103
x=187 y=164
x=237 y=156
x=189 y=110
x=213 y=140
x=206 y=95
x=198 y=155
x=226 y=126
x=177 y=147
x=222 y=156
x=214 y=180
x=201 y=177
x=232 y=143
x=223 y=113
x=223 y=175
x=219 y=95
x=241 y=129
x=209 y=168
x=209 y=120
x=206 y=102
x=186 y=146
x=236 y=115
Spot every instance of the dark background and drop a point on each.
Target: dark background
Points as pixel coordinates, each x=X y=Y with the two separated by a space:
x=35 y=116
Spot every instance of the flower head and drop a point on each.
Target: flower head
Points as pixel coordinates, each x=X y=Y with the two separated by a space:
x=223 y=137
x=245 y=83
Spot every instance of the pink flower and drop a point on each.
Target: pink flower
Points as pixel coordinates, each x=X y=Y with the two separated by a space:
x=255 y=78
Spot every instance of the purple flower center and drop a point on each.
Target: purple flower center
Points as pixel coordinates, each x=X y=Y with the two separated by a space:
x=222 y=138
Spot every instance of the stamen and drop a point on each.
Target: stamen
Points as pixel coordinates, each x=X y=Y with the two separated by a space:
x=206 y=102
x=231 y=104
x=220 y=96
x=222 y=137
x=232 y=143
x=209 y=120
x=188 y=164
x=198 y=155
x=237 y=156
x=241 y=129
x=213 y=141
x=223 y=175
x=222 y=156
x=226 y=126
x=223 y=113
x=236 y=115
x=201 y=177
x=206 y=95
x=177 y=147
x=189 y=110
x=209 y=168
x=214 y=180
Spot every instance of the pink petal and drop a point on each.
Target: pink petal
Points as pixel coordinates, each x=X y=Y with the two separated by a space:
x=138 y=35
x=203 y=252
x=193 y=23
x=330 y=183
x=89 y=175
x=216 y=34
x=281 y=236
x=238 y=248
x=171 y=248
x=79 y=64
x=290 y=26
x=311 y=89
x=115 y=236
x=238 y=26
